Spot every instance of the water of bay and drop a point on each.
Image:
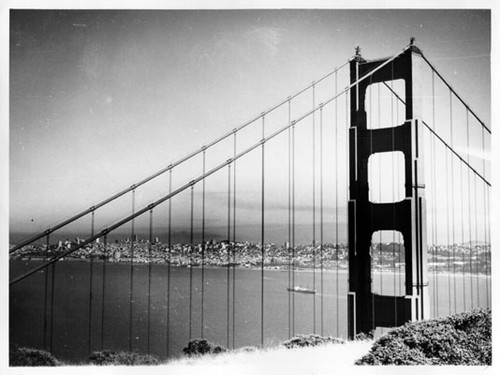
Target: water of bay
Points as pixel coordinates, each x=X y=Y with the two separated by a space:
x=165 y=327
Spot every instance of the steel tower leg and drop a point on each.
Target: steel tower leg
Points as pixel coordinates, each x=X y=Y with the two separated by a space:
x=367 y=310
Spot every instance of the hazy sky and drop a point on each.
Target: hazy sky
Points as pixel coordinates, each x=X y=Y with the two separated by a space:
x=100 y=99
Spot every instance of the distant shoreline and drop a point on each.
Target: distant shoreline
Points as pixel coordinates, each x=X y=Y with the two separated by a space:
x=342 y=270
x=209 y=266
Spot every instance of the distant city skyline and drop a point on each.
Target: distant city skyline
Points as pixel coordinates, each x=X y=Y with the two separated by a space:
x=100 y=99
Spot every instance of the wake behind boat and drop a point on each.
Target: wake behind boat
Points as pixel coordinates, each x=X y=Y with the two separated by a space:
x=300 y=289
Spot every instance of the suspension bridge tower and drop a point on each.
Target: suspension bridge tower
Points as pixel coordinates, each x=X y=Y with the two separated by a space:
x=366 y=309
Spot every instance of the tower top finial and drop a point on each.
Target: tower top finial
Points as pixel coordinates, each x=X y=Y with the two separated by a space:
x=413 y=46
x=357 y=57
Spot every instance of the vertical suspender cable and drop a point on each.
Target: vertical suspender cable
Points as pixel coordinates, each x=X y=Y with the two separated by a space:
x=463 y=229
x=488 y=245
x=169 y=240
x=380 y=244
x=433 y=223
x=347 y=203
x=488 y=249
x=314 y=205
x=191 y=244
x=150 y=244
x=462 y=232
x=90 y=284
x=46 y=294
x=476 y=239
x=203 y=248
x=321 y=203
x=289 y=222
x=336 y=124
x=262 y=243
x=293 y=228
x=453 y=208
x=228 y=249
x=400 y=239
x=448 y=231
x=395 y=181
x=470 y=217
x=52 y=288
x=370 y=189
x=234 y=240
x=486 y=226
x=434 y=200
x=105 y=255
x=131 y=291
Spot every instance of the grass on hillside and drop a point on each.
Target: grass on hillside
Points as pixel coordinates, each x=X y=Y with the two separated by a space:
x=311 y=358
x=460 y=339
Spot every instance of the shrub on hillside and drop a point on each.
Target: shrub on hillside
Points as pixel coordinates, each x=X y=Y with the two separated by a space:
x=19 y=356
x=111 y=357
x=301 y=341
x=202 y=346
x=460 y=339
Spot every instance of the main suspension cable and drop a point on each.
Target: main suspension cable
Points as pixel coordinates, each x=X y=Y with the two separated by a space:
x=456 y=95
x=169 y=167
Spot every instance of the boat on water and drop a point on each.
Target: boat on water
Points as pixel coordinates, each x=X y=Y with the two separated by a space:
x=301 y=289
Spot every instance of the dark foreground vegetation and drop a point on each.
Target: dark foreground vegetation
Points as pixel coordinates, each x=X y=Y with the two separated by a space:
x=110 y=357
x=201 y=347
x=19 y=356
x=302 y=341
x=461 y=339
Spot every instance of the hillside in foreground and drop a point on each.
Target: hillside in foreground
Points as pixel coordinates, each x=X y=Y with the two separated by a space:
x=460 y=339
